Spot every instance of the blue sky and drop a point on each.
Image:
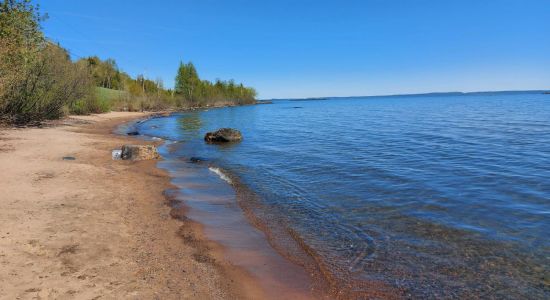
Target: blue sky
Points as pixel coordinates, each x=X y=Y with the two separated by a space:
x=318 y=48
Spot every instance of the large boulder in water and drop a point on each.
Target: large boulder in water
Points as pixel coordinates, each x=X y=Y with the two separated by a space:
x=223 y=135
x=139 y=152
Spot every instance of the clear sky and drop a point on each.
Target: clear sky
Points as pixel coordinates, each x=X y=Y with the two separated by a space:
x=299 y=48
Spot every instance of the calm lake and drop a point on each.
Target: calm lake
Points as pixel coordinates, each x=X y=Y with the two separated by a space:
x=438 y=196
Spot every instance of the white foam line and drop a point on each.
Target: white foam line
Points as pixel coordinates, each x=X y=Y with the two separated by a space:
x=220 y=174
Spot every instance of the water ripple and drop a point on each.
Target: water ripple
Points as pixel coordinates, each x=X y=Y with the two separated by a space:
x=444 y=197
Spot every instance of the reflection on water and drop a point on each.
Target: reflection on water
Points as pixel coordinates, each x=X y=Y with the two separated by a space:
x=440 y=197
x=191 y=122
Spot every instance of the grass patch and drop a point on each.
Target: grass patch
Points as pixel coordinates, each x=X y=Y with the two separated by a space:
x=102 y=100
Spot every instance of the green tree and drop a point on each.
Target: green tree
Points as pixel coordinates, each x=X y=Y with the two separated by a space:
x=187 y=81
x=38 y=80
x=21 y=39
x=196 y=92
x=105 y=73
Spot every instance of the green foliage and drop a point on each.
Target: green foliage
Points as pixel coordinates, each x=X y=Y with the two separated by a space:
x=47 y=85
x=193 y=92
x=39 y=81
x=105 y=73
x=20 y=40
x=100 y=101
x=126 y=93
x=20 y=33
x=187 y=81
x=109 y=95
x=37 y=78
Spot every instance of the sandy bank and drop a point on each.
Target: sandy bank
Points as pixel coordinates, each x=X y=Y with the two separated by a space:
x=92 y=228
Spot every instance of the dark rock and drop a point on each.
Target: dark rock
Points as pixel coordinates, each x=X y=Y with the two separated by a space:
x=133 y=133
x=196 y=159
x=68 y=158
x=223 y=135
x=139 y=152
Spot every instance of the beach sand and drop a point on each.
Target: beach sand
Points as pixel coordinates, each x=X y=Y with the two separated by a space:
x=94 y=228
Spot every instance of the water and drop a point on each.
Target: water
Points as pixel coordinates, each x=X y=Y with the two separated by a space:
x=426 y=196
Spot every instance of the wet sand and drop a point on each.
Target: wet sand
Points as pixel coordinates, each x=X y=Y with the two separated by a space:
x=93 y=228
x=202 y=196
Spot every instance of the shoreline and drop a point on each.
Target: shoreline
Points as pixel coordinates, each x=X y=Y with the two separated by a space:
x=289 y=245
x=286 y=243
x=233 y=238
x=95 y=227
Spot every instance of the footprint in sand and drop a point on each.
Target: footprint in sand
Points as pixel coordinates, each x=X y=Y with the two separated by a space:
x=33 y=247
x=44 y=175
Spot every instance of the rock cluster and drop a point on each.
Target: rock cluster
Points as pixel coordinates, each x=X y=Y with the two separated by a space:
x=139 y=152
x=223 y=135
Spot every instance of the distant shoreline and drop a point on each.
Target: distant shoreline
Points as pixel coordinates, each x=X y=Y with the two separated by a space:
x=429 y=94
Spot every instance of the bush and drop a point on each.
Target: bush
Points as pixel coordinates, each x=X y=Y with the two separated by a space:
x=38 y=80
x=45 y=86
x=100 y=101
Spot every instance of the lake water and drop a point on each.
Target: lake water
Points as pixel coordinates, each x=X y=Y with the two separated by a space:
x=427 y=196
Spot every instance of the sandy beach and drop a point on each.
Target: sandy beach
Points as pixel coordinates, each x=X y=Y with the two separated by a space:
x=274 y=150
x=94 y=228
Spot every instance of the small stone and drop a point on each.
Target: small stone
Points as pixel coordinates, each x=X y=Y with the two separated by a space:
x=116 y=154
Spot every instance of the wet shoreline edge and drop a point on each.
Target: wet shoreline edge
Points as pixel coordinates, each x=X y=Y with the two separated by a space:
x=285 y=241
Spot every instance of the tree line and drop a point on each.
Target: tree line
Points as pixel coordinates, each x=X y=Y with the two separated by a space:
x=38 y=79
x=199 y=92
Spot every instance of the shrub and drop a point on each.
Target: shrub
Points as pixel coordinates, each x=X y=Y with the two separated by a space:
x=44 y=86
x=38 y=80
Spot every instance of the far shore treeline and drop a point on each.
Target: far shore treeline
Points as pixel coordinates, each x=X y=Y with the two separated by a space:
x=38 y=79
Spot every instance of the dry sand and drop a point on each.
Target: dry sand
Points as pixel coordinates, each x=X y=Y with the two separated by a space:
x=93 y=228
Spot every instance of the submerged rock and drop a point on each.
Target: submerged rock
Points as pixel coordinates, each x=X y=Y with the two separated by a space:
x=196 y=159
x=223 y=135
x=139 y=152
x=133 y=133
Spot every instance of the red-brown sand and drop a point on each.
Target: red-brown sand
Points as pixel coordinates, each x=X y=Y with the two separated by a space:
x=93 y=228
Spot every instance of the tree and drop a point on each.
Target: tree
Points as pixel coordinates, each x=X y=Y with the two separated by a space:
x=197 y=92
x=38 y=80
x=21 y=39
x=187 y=81
x=20 y=29
x=106 y=73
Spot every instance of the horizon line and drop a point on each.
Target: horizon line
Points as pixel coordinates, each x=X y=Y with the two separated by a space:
x=412 y=94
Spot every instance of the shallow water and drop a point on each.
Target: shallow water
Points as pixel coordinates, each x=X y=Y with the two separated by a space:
x=433 y=196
